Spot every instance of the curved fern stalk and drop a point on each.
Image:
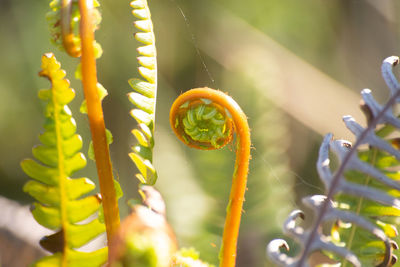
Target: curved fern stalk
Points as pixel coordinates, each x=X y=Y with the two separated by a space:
x=62 y=203
x=204 y=118
x=367 y=201
x=96 y=118
x=145 y=96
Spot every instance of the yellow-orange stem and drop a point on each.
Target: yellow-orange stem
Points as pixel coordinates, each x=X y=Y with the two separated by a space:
x=96 y=119
x=236 y=198
x=67 y=34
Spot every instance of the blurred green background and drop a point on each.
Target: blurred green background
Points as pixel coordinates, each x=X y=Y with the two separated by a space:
x=295 y=67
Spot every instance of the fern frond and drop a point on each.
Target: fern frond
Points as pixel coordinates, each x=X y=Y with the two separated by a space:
x=62 y=203
x=363 y=191
x=145 y=96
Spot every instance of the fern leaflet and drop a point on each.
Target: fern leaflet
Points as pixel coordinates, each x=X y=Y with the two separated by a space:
x=62 y=203
x=145 y=96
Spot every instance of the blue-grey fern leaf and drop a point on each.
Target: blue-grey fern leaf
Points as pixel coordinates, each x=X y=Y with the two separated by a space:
x=362 y=193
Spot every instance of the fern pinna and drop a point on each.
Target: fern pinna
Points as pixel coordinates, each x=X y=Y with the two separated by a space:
x=363 y=192
x=145 y=96
x=62 y=203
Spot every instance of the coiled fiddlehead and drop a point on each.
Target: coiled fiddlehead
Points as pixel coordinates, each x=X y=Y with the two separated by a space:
x=63 y=19
x=363 y=191
x=60 y=198
x=145 y=96
x=204 y=118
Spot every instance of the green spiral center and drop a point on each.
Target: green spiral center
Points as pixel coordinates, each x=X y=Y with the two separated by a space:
x=205 y=124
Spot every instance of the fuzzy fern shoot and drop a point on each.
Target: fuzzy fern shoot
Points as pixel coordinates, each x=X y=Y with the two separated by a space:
x=59 y=198
x=205 y=118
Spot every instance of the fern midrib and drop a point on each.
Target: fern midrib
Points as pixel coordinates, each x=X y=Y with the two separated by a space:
x=62 y=176
x=148 y=73
x=359 y=207
x=155 y=68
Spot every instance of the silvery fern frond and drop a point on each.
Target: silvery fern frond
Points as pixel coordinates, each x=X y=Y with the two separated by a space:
x=362 y=193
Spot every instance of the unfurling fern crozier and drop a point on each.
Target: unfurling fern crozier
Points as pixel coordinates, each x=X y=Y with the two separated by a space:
x=205 y=118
